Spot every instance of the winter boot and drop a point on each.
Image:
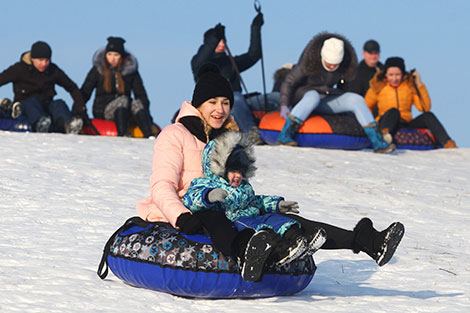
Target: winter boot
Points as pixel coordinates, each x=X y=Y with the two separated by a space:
x=380 y=246
x=387 y=136
x=43 y=125
x=315 y=241
x=6 y=104
x=295 y=247
x=254 y=136
x=74 y=126
x=378 y=142
x=287 y=134
x=450 y=144
x=143 y=121
x=121 y=116
x=257 y=252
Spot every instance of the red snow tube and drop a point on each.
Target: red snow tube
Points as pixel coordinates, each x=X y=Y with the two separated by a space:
x=108 y=128
x=340 y=131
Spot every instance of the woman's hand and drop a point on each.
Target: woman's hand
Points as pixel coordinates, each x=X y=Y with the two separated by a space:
x=417 y=78
x=284 y=111
x=189 y=224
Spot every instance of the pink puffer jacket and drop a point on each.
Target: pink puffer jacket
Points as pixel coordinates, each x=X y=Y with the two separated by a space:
x=176 y=162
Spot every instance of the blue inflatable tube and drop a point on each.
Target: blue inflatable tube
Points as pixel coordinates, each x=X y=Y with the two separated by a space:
x=158 y=257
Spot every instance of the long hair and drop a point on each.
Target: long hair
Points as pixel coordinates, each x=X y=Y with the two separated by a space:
x=229 y=124
x=107 y=76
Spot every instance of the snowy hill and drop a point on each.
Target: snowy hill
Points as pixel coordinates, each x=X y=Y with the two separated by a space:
x=61 y=197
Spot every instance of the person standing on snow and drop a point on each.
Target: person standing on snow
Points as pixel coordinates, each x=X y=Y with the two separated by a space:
x=115 y=75
x=34 y=79
x=213 y=50
x=316 y=84
x=393 y=91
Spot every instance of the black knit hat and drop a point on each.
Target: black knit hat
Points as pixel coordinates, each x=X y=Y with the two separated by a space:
x=41 y=50
x=394 y=62
x=116 y=44
x=371 y=46
x=238 y=161
x=211 y=84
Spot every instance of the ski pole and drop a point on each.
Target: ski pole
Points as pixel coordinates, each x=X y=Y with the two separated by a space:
x=257 y=6
x=416 y=88
x=235 y=67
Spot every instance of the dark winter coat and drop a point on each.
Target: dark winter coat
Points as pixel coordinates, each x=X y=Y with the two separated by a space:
x=95 y=80
x=241 y=200
x=279 y=77
x=206 y=53
x=28 y=82
x=364 y=74
x=309 y=73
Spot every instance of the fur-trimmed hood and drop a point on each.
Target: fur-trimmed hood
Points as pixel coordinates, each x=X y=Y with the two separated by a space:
x=217 y=151
x=129 y=65
x=310 y=60
x=378 y=82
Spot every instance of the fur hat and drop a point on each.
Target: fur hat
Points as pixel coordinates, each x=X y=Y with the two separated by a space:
x=41 y=50
x=238 y=160
x=332 y=50
x=210 y=84
x=394 y=62
x=116 y=44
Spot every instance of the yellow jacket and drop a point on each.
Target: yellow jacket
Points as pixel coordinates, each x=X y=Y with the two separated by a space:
x=386 y=97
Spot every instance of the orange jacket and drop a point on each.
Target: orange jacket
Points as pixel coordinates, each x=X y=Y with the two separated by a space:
x=386 y=97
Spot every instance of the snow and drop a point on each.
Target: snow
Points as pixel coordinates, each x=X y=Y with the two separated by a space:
x=62 y=196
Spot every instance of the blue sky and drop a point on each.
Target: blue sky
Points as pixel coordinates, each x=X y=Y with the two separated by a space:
x=432 y=36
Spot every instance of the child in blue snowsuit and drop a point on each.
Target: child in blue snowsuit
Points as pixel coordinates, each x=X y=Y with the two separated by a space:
x=227 y=162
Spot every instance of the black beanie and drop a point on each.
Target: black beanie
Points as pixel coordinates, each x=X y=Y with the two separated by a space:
x=116 y=44
x=238 y=161
x=41 y=50
x=394 y=62
x=211 y=84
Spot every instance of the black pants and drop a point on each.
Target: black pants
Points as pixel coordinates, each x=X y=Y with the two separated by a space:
x=391 y=120
x=336 y=238
x=223 y=233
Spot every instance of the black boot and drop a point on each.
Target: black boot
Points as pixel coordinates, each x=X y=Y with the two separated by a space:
x=380 y=246
x=121 y=116
x=293 y=245
x=257 y=251
x=143 y=121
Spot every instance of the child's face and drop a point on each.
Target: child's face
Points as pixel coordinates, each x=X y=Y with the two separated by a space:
x=234 y=178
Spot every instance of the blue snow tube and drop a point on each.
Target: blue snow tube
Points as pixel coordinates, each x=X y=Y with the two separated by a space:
x=20 y=124
x=159 y=257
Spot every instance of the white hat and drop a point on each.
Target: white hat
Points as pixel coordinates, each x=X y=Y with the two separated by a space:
x=332 y=50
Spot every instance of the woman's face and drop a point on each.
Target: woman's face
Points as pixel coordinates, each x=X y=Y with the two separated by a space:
x=215 y=111
x=394 y=76
x=113 y=58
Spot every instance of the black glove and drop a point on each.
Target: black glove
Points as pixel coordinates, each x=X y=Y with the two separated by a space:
x=258 y=20
x=219 y=31
x=189 y=224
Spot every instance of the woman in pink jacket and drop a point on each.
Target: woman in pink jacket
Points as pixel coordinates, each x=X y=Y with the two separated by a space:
x=177 y=161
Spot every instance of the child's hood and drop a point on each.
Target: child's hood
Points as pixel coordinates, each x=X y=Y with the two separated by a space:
x=217 y=151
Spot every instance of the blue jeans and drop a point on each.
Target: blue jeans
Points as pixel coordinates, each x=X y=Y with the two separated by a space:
x=242 y=108
x=33 y=109
x=347 y=102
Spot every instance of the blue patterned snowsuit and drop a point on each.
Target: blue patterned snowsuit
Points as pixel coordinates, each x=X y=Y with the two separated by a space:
x=241 y=206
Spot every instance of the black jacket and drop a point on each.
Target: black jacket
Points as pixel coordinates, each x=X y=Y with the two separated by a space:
x=206 y=53
x=364 y=74
x=95 y=80
x=309 y=73
x=28 y=82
